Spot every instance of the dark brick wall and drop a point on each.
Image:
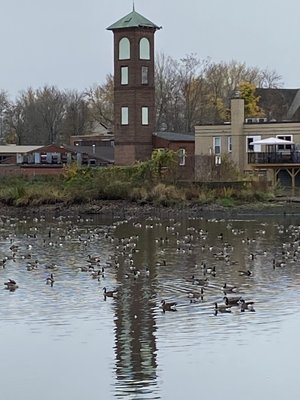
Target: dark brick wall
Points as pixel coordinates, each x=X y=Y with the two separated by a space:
x=187 y=171
x=134 y=96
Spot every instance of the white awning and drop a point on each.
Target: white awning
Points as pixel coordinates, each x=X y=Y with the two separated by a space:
x=272 y=141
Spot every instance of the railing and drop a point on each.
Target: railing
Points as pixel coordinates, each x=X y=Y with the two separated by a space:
x=292 y=157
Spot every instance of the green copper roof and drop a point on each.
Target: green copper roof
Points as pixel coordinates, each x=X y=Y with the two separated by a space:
x=133 y=20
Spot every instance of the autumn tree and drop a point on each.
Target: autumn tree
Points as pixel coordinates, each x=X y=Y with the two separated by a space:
x=247 y=92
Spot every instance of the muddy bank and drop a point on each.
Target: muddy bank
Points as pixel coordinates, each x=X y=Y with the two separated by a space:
x=123 y=209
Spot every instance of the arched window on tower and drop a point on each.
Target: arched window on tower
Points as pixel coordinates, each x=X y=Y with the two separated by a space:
x=144 y=49
x=124 y=49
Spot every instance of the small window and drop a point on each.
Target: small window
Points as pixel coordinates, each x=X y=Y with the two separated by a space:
x=124 y=49
x=285 y=146
x=144 y=49
x=250 y=147
x=217 y=145
x=124 y=75
x=145 y=116
x=145 y=73
x=124 y=115
x=182 y=156
x=229 y=142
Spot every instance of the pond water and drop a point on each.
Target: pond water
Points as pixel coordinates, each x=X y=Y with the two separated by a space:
x=67 y=341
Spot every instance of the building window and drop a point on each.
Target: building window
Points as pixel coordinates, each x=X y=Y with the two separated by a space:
x=229 y=144
x=250 y=147
x=145 y=115
x=124 y=75
x=182 y=155
x=124 y=115
x=217 y=145
x=285 y=146
x=145 y=73
x=144 y=49
x=124 y=49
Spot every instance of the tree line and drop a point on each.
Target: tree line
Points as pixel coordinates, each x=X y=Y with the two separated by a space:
x=189 y=92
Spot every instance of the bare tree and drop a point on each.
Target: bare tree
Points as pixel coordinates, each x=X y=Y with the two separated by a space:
x=51 y=107
x=101 y=102
x=76 y=114
x=5 y=107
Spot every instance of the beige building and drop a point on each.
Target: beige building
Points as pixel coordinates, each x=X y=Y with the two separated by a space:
x=234 y=140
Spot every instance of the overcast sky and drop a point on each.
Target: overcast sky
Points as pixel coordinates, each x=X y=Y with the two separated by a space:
x=65 y=42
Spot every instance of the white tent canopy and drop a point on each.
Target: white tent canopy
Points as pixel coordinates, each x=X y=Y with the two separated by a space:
x=271 y=141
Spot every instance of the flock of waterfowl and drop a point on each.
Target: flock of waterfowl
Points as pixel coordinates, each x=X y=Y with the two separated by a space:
x=175 y=242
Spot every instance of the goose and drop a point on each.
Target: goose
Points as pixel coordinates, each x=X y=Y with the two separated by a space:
x=98 y=273
x=278 y=264
x=11 y=285
x=245 y=273
x=196 y=295
x=110 y=293
x=247 y=305
x=199 y=282
x=50 y=280
x=229 y=289
x=168 y=306
x=222 y=308
x=93 y=259
x=232 y=301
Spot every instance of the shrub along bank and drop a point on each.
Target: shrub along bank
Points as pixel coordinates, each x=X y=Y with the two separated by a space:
x=151 y=181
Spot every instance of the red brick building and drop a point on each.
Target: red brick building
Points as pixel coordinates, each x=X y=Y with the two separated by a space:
x=134 y=90
x=184 y=145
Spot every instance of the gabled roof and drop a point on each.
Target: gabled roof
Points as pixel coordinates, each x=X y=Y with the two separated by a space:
x=133 y=20
x=176 y=137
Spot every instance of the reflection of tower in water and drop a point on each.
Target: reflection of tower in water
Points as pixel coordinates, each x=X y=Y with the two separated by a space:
x=135 y=345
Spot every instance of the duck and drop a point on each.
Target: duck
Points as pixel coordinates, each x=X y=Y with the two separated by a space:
x=222 y=308
x=110 y=293
x=168 y=306
x=232 y=301
x=245 y=273
x=247 y=305
x=11 y=285
x=50 y=280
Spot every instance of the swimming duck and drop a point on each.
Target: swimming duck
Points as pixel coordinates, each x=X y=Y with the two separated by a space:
x=168 y=306
x=110 y=293
x=11 y=285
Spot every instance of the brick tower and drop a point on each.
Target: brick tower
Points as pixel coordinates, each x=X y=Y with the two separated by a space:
x=134 y=90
